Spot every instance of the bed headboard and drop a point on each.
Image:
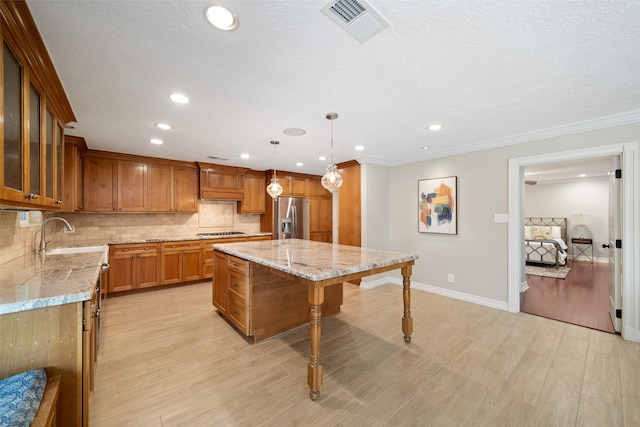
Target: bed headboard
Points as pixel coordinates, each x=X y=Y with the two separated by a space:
x=548 y=221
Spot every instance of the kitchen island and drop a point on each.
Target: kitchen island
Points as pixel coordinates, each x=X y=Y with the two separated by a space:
x=312 y=266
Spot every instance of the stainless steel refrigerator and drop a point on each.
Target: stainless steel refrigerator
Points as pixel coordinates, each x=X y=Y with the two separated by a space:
x=291 y=218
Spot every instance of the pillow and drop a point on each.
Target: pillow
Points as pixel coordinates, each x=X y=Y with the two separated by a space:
x=20 y=397
x=541 y=232
x=556 y=232
x=527 y=233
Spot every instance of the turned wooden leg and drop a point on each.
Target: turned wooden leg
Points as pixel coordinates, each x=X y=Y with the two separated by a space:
x=407 y=321
x=314 y=369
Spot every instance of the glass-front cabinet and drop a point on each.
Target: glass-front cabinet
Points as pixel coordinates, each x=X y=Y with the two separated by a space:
x=32 y=127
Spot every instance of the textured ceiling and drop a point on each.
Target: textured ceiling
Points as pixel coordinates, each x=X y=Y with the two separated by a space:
x=493 y=72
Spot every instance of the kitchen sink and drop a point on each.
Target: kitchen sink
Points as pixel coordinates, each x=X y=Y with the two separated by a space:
x=75 y=250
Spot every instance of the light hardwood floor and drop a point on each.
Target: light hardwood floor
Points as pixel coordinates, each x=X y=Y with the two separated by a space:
x=168 y=359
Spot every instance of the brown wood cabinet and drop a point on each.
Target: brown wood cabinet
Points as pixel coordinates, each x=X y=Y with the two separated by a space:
x=219 y=182
x=181 y=261
x=262 y=304
x=132 y=186
x=100 y=184
x=320 y=219
x=172 y=188
x=207 y=253
x=254 y=194
x=349 y=205
x=34 y=110
x=186 y=189
x=134 y=266
x=72 y=196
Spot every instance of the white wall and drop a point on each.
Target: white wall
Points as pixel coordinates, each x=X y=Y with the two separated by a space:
x=589 y=197
x=478 y=254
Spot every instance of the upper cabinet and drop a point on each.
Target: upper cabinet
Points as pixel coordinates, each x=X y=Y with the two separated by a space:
x=254 y=194
x=34 y=111
x=219 y=182
x=72 y=196
x=122 y=183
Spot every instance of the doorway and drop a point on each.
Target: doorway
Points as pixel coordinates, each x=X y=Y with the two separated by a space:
x=516 y=278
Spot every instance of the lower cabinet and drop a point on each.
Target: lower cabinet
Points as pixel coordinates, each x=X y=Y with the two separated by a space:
x=181 y=261
x=261 y=304
x=134 y=266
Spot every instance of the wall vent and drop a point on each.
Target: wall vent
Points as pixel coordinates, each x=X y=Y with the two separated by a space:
x=357 y=17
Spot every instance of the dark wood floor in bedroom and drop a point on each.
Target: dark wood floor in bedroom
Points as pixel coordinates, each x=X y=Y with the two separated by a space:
x=582 y=298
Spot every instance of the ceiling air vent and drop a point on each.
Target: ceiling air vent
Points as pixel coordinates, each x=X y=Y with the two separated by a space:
x=357 y=17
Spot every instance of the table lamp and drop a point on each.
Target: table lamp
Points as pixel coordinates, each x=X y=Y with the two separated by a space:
x=581 y=220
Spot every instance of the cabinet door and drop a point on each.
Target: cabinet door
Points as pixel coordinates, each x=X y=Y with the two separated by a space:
x=320 y=215
x=147 y=270
x=220 y=282
x=171 y=267
x=255 y=190
x=13 y=185
x=36 y=165
x=121 y=273
x=298 y=186
x=132 y=186
x=100 y=176
x=315 y=188
x=191 y=264
x=161 y=188
x=186 y=189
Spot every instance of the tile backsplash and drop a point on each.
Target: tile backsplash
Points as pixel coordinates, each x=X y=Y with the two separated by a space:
x=94 y=228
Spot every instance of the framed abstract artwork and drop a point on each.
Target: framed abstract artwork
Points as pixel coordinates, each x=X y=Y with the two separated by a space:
x=438 y=205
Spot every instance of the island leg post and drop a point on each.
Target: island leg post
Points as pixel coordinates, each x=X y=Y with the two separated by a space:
x=407 y=321
x=314 y=369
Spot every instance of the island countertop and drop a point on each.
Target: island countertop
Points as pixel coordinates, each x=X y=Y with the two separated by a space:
x=313 y=260
x=32 y=281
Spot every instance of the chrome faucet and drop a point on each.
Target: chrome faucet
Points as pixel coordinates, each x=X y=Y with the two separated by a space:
x=43 y=241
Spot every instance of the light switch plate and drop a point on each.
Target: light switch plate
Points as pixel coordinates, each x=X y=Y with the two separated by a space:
x=501 y=218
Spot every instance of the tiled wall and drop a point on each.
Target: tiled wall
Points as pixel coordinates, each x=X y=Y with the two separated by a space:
x=97 y=228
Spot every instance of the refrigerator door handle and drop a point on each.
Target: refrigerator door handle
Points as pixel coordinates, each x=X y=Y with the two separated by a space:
x=294 y=222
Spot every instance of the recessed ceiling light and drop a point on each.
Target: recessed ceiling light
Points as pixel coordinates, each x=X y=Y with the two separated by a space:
x=221 y=17
x=299 y=164
x=582 y=175
x=179 y=98
x=435 y=127
x=163 y=126
x=426 y=147
x=322 y=158
x=156 y=141
x=294 y=131
x=359 y=147
x=244 y=156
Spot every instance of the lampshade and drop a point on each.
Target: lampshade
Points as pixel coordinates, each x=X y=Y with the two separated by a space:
x=274 y=189
x=332 y=179
x=581 y=219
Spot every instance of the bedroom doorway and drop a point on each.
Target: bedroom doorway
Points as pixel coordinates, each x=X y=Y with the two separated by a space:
x=630 y=328
x=567 y=277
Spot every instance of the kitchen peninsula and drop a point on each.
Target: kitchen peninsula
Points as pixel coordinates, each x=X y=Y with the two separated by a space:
x=290 y=271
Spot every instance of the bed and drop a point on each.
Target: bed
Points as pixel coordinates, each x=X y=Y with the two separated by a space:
x=545 y=241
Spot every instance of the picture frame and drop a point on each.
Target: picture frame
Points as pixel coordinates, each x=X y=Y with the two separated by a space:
x=438 y=205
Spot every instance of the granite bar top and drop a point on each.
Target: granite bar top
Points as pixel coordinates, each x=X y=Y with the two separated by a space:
x=182 y=238
x=36 y=281
x=313 y=260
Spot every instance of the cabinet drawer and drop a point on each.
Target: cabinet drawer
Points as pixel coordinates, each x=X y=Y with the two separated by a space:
x=238 y=312
x=238 y=265
x=181 y=245
x=238 y=284
x=134 y=249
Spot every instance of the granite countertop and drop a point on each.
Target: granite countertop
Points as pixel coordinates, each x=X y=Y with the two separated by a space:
x=313 y=260
x=32 y=281
x=182 y=238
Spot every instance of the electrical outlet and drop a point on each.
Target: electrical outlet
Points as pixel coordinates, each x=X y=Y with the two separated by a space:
x=600 y=250
x=450 y=278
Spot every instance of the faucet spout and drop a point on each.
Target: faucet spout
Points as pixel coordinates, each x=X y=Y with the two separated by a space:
x=43 y=241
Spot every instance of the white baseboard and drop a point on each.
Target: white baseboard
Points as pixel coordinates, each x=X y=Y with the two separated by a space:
x=450 y=293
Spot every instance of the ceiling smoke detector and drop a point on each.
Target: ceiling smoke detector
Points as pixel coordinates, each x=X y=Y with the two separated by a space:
x=357 y=17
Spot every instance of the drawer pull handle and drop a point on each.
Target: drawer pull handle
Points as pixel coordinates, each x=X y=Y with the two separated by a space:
x=236 y=313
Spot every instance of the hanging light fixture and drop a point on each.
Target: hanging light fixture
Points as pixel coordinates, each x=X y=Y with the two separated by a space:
x=332 y=179
x=274 y=189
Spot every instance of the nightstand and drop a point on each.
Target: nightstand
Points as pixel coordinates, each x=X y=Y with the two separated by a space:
x=581 y=246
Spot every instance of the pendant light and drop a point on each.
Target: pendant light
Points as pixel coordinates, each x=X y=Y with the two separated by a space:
x=274 y=189
x=332 y=179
